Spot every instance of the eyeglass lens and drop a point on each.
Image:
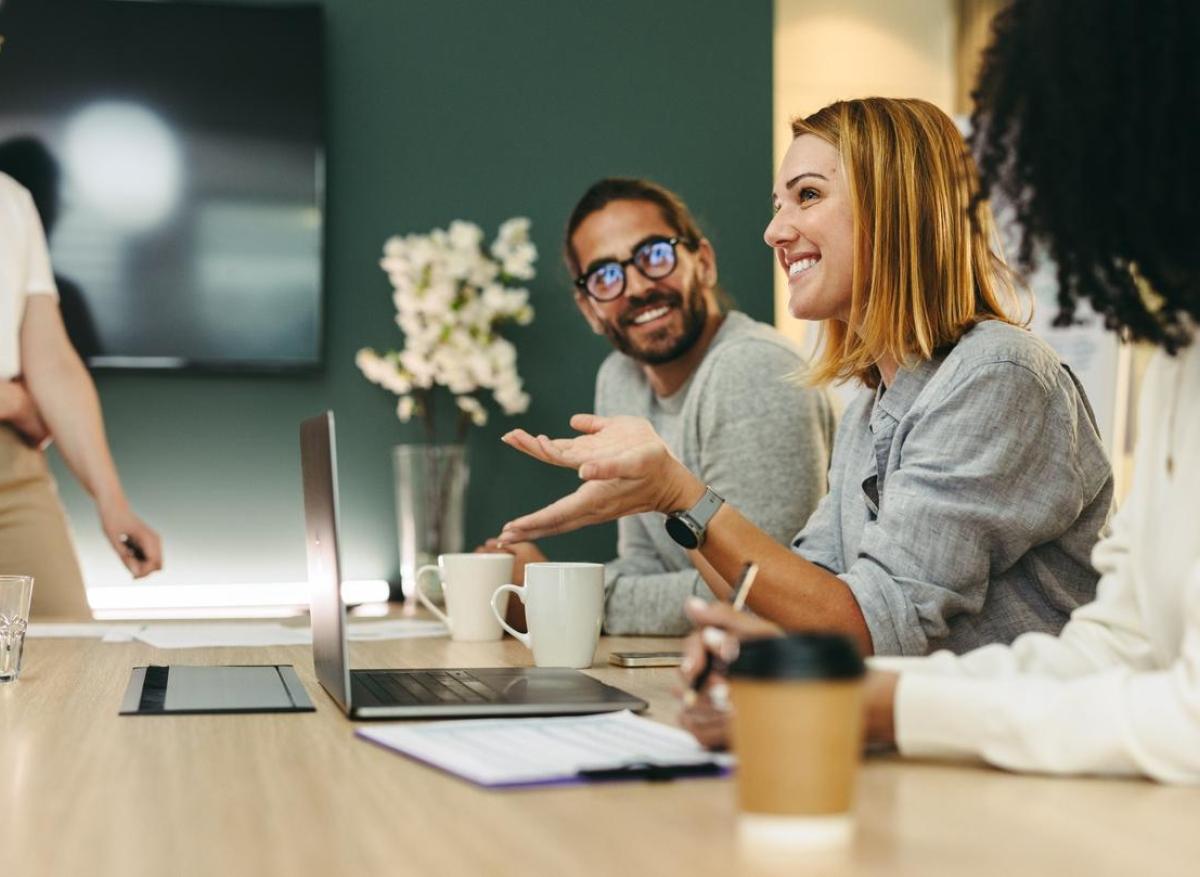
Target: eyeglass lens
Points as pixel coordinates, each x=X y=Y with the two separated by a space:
x=654 y=259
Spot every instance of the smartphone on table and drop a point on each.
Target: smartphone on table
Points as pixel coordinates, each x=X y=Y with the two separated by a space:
x=646 y=659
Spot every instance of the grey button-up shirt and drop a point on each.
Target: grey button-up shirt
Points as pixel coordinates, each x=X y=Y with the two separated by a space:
x=966 y=497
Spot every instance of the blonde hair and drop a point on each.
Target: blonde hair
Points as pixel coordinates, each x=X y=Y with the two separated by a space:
x=925 y=269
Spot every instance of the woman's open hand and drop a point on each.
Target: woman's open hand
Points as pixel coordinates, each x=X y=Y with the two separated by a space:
x=626 y=466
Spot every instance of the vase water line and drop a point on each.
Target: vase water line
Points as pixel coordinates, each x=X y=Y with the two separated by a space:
x=431 y=488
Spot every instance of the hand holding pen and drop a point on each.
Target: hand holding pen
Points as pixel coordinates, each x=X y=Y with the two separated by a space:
x=138 y=546
x=720 y=652
x=720 y=630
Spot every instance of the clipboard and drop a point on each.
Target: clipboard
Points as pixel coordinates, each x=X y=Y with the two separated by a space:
x=183 y=689
x=553 y=751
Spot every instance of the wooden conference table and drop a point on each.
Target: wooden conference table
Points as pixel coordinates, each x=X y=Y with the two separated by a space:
x=86 y=792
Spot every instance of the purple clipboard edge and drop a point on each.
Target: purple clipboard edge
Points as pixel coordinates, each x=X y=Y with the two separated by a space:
x=561 y=782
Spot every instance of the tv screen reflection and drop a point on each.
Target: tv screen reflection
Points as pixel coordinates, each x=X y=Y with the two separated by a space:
x=174 y=154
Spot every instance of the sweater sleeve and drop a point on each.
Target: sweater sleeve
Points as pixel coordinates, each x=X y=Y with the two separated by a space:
x=642 y=597
x=764 y=439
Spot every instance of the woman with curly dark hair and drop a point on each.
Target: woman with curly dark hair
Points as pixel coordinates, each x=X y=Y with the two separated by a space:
x=1087 y=119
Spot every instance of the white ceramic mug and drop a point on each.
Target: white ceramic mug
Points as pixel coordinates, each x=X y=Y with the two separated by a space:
x=468 y=582
x=564 y=605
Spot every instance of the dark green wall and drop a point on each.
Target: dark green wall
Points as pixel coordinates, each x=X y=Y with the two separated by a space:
x=442 y=110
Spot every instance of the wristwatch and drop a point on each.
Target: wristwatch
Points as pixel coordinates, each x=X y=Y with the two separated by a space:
x=688 y=527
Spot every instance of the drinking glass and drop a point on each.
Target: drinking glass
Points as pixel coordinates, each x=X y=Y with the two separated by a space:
x=15 y=593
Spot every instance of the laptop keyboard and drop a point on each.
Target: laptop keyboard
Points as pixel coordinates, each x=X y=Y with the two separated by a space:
x=424 y=687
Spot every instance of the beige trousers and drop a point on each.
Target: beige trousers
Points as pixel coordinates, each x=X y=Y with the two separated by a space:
x=34 y=539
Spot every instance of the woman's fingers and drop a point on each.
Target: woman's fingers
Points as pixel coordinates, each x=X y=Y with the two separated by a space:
x=546 y=450
x=589 y=423
x=707 y=723
x=557 y=452
x=693 y=658
x=562 y=516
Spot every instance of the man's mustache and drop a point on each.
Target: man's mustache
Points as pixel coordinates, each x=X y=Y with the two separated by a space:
x=651 y=299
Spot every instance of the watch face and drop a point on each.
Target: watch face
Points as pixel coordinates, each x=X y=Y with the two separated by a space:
x=678 y=530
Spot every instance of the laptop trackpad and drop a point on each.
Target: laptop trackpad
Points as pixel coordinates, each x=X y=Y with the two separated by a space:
x=545 y=685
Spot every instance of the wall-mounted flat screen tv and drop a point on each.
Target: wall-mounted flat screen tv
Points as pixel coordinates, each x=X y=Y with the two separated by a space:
x=175 y=153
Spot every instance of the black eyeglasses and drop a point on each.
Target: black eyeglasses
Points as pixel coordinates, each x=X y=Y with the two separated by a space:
x=654 y=259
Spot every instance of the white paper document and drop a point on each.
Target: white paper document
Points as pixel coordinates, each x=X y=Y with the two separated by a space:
x=502 y=753
x=110 y=633
x=395 y=628
x=198 y=635
x=213 y=634
x=208 y=635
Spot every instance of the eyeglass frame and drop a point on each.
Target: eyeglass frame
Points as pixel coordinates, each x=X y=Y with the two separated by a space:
x=689 y=242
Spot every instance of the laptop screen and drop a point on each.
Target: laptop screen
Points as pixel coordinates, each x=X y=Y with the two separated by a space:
x=318 y=462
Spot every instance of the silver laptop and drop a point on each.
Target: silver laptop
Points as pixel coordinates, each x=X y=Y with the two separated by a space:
x=414 y=693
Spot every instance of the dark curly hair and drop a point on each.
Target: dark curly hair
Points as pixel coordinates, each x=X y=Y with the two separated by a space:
x=1087 y=120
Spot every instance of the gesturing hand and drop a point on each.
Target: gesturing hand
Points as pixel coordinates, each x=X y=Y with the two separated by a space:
x=626 y=467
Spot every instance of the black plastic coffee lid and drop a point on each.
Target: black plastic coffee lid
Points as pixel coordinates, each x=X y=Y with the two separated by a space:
x=798 y=656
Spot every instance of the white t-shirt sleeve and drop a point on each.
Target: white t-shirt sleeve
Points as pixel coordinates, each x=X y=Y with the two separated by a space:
x=24 y=269
x=39 y=276
x=1117 y=721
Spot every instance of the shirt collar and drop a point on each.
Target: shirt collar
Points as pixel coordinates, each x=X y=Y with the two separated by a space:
x=904 y=390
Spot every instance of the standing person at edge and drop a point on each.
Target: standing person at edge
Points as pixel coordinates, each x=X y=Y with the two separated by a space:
x=968 y=483
x=46 y=393
x=718 y=386
x=1104 y=174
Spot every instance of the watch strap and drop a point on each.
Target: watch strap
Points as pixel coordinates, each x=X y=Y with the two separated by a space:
x=702 y=512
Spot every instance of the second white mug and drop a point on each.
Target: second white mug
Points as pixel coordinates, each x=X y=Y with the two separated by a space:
x=564 y=606
x=468 y=581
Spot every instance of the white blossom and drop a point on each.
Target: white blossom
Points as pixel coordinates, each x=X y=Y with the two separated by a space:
x=451 y=294
x=512 y=232
x=473 y=408
x=465 y=236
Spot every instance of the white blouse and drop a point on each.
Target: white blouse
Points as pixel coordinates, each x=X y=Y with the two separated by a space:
x=24 y=269
x=1118 y=691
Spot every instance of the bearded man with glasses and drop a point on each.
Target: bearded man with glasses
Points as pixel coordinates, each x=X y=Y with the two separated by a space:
x=718 y=386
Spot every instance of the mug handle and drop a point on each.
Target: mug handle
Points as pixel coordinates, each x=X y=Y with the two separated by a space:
x=520 y=592
x=425 y=601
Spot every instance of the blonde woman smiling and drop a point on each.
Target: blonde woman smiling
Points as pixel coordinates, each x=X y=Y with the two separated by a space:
x=968 y=482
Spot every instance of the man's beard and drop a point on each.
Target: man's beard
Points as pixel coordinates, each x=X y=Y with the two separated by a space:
x=694 y=318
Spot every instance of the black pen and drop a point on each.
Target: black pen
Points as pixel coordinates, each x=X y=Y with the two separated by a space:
x=132 y=546
x=737 y=599
x=652 y=771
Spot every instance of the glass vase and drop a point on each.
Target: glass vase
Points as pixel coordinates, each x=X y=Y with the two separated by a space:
x=431 y=489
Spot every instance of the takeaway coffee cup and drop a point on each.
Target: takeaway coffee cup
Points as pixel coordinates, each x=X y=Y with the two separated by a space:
x=564 y=605
x=468 y=582
x=797 y=734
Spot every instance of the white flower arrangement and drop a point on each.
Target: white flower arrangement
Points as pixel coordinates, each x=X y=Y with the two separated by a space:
x=451 y=296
